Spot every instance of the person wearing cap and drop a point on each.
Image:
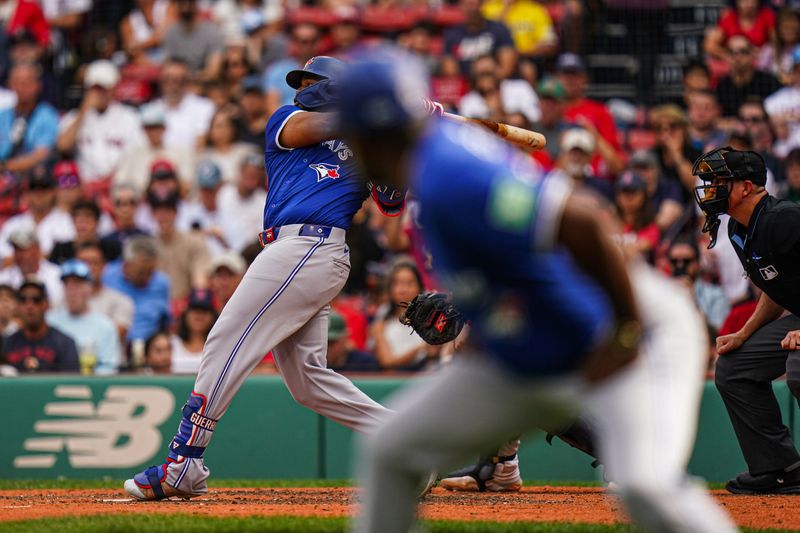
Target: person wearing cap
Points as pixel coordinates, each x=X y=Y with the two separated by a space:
x=95 y=334
x=202 y=214
x=673 y=148
x=37 y=346
x=27 y=261
x=477 y=36
x=134 y=168
x=195 y=41
x=163 y=182
x=635 y=210
x=744 y=80
x=105 y=300
x=495 y=98
x=183 y=257
x=305 y=43
x=783 y=106
x=187 y=116
x=224 y=274
x=589 y=114
x=242 y=205
x=552 y=104
x=101 y=129
x=68 y=185
x=765 y=233
x=252 y=118
x=50 y=224
x=222 y=148
x=342 y=356
x=666 y=196
x=194 y=326
x=576 y=149
x=30 y=126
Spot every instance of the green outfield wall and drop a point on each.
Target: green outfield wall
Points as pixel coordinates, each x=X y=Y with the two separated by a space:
x=77 y=427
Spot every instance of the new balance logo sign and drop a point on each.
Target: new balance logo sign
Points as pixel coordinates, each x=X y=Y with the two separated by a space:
x=120 y=431
x=325 y=171
x=768 y=272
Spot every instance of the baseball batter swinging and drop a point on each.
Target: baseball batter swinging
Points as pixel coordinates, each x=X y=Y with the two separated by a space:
x=282 y=303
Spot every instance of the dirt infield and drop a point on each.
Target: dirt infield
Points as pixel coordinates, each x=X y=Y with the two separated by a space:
x=564 y=504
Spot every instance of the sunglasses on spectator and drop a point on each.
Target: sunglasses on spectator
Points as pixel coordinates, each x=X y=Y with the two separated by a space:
x=740 y=51
x=232 y=64
x=306 y=41
x=33 y=299
x=122 y=202
x=753 y=120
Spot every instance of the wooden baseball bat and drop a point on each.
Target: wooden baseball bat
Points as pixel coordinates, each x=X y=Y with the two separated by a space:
x=530 y=140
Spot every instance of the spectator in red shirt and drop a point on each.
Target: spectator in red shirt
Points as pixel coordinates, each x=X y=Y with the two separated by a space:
x=639 y=230
x=590 y=115
x=755 y=23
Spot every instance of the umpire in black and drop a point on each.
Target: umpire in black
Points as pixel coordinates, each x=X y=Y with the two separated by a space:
x=765 y=232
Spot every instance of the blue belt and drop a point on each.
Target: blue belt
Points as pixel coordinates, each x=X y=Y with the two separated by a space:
x=307 y=230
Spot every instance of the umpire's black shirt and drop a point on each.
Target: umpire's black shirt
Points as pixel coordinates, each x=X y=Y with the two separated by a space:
x=769 y=249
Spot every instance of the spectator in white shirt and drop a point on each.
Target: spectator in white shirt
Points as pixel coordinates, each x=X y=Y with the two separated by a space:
x=134 y=167
x=50 y=224
x=494 y=99
x=202 y=214
x=100 y=130
x=28 y=263
x=243 y=205
x=193 y=328
x=783 y=108
x=188 y=116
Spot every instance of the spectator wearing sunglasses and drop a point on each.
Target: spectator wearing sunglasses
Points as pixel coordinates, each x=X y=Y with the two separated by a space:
x=744 y=80
x=684 y=265
x=37 y=347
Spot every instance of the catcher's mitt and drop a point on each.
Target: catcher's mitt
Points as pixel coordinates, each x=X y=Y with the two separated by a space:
x=434 y=317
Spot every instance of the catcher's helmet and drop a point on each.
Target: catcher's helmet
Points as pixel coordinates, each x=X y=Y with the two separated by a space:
x=320 y=67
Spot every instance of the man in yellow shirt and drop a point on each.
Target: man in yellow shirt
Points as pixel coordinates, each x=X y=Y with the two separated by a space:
x=530 y=24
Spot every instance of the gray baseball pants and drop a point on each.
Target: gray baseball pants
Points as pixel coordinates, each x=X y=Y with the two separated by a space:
x=281 y=305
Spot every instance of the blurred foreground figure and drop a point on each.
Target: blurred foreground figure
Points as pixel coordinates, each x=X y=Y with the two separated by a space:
x=556 y=326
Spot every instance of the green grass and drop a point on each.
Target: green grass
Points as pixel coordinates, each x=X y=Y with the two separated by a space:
x=188 y=523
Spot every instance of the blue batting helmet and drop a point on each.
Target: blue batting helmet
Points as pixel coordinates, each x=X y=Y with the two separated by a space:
x=382 y=90
x=321 y=67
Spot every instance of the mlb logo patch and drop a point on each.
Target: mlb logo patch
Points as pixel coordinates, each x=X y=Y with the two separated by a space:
x=325 y=171
x=768 y=272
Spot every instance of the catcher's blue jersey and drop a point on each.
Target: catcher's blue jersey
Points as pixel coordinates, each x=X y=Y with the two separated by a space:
x=491 y=220
x=311 y=185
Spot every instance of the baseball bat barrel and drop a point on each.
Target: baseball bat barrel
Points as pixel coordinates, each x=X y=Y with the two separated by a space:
x=531 y=140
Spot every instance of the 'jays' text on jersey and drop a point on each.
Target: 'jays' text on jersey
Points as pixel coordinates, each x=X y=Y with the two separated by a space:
x=491 y=220
x=316 y=184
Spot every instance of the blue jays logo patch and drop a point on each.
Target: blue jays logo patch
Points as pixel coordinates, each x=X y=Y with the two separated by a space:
x=325 y=171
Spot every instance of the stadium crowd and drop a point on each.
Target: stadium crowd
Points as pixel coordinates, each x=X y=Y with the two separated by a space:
x=132 y=179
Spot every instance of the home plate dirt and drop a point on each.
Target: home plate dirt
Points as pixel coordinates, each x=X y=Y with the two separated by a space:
x=536 y=504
